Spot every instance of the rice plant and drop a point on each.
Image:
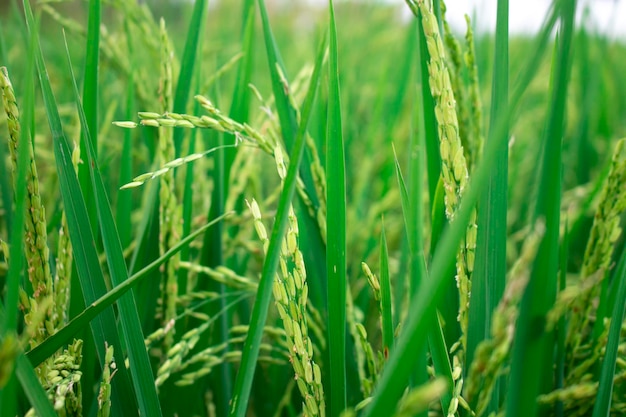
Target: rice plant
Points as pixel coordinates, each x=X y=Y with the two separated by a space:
x=249 y=209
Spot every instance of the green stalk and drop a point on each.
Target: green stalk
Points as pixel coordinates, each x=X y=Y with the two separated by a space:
x=64 y=335
x=433 y=159
x=181 y=97
x=559 y=360
x=187 y=66
x=450 y=308
x=9 y=323
x=90 y=102
x=385 y=294
x=83 y=242
x=490 y=265
x=32 y=388
x=531 y=370
x=401 y=361
x=5 y=190
x=336 y=233
x=139 y=363
x=602 y=407
x=124 y=199
x=250 y=353
x=413 y=218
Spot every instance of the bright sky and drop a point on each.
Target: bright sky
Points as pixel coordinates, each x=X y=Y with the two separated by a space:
x=607 y=16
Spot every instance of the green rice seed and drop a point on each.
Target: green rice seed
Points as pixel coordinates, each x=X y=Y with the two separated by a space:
x=35 y=240
x=290 y=293
x=126 y=125
x=604 y=232
x=454 y=166
x=475 y=139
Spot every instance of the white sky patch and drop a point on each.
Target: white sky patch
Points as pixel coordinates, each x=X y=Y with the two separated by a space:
x=526 y=16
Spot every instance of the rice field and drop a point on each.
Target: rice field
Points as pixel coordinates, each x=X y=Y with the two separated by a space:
x=258 y=208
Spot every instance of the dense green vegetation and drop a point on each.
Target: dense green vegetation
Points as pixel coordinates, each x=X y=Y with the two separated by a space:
x=260 y=210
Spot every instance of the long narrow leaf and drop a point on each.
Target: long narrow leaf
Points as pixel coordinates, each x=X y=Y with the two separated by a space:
x=286 y=111
x=139 y=362
x=187 y=67
x=87 y=264
x=32 y=387
x=8 y=323
x=490 y=264
x=90 y=100
x=385 y=294
x=250 y=353
x=602 y=406
x=395 y=375
x=54 y=342
x=411 y=211
x=336 y=232
x=531 y=368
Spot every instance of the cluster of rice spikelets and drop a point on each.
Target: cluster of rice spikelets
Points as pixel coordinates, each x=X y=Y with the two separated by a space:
x=207 y=359
x=586 y=334
x=46 y=311
x=454 y=166
x=455 y=62
x=223 y=275
x=476 y=139
x=62 y=381
x=169 y=210
x=492 y=354
x=604 y=233
x=36 y=250
x=362 y=346
x=188 y=364
x=104 y=395
x=291 y=296
x=141 y=26
x=245 y=135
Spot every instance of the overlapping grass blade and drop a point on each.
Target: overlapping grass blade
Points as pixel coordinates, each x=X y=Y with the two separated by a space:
x=187 y=67
x=313 y=248
x=284 y=108
x=490 y=264
x=124 y=199
x=90 y=274
x=433 y=159
x=5 y=189
x=250 y=353
x=139 y=363
x=426 y=103
x=32 y=388
x=531 y=370
x=62 y=336
x=560 y=355
x=188 y=70
x=422 y=309
x=9 y=324
x=422 y=306
x=385 y=293
x=602 y=407
x=9 y=321
x=336 y=232
x=212 y=255
x=413 y=218
x=90 y=103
